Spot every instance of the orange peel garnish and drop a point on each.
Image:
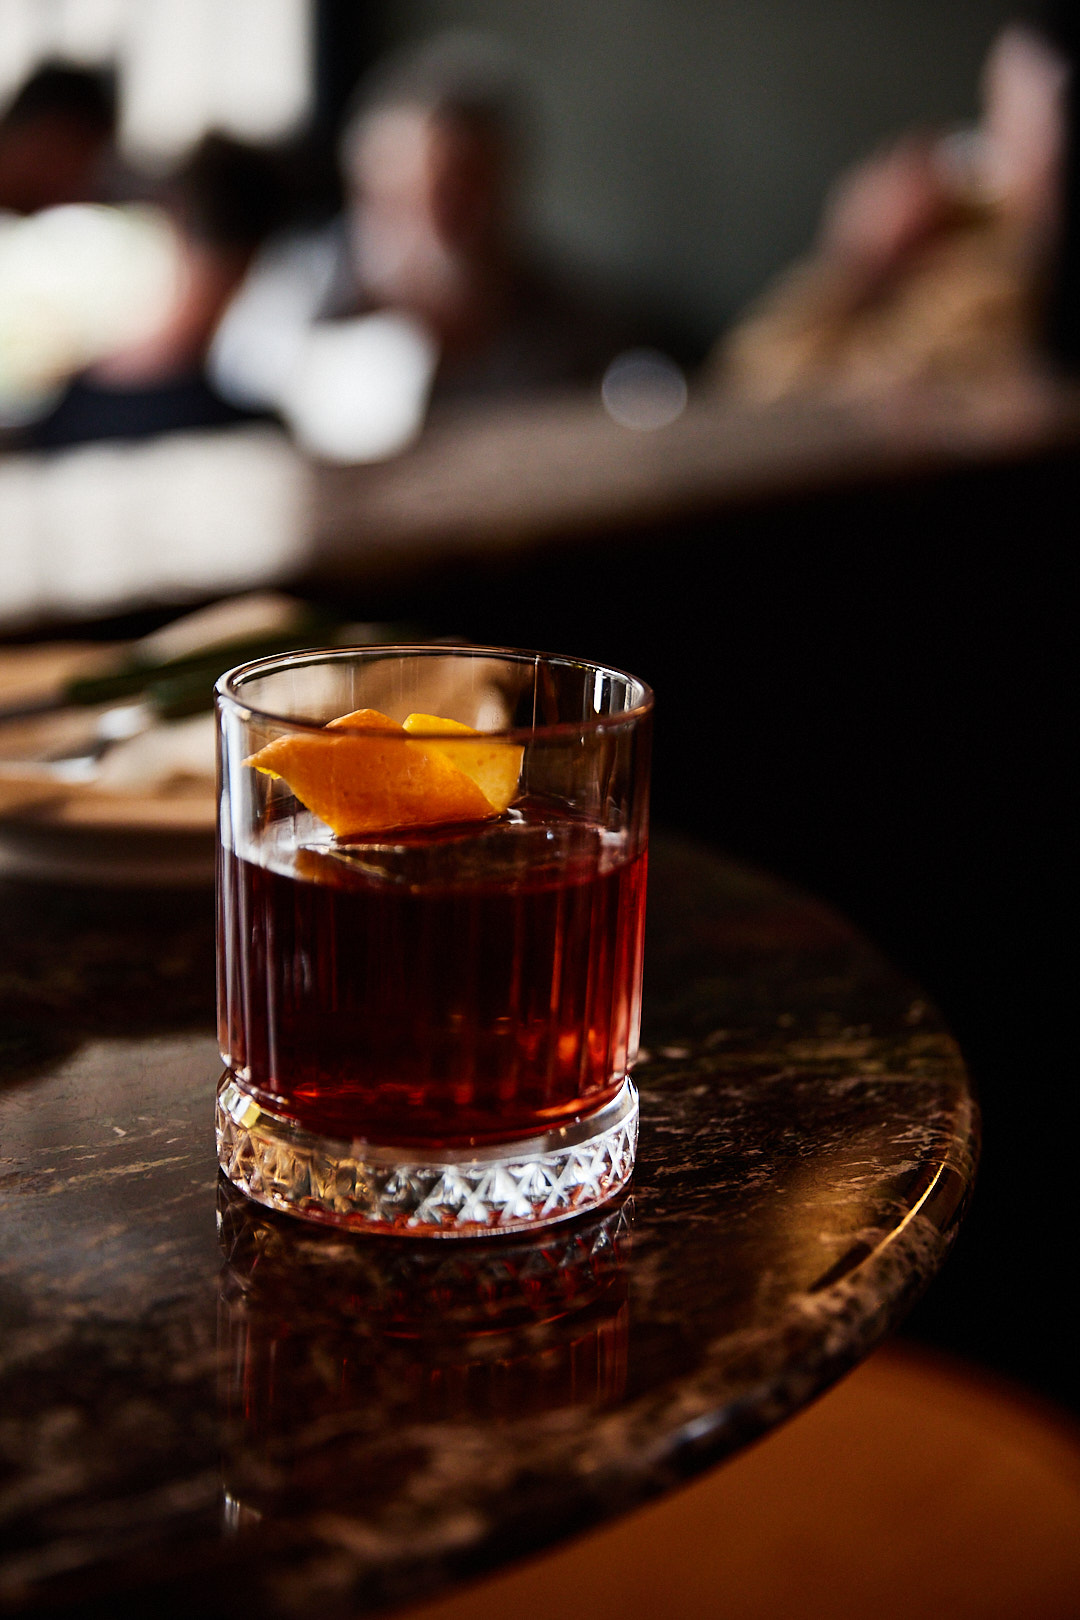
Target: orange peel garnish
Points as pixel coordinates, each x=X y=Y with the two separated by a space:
x=492 y=763
x=363 y=773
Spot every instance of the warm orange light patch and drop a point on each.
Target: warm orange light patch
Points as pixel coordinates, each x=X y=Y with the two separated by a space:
x=370 y=780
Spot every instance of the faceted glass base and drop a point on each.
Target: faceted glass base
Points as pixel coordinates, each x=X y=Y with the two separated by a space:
x=510 y=1187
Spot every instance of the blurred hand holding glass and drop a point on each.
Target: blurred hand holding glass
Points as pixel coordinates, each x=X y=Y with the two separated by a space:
x=429 y=1015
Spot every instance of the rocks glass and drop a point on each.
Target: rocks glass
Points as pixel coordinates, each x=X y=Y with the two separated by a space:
x=429 y=1015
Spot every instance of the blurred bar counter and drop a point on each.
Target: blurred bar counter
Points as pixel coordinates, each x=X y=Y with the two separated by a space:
x=114 y=527
x=562 y=469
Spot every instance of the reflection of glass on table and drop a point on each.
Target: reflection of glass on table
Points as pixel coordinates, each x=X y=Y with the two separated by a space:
x=430 y=979
x=433 y=1333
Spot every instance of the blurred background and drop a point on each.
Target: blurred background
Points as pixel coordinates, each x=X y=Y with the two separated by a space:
x=730 y=343
x=676 y=160
x=686 y=148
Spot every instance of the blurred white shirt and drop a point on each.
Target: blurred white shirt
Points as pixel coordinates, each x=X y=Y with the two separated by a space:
x=350 y=389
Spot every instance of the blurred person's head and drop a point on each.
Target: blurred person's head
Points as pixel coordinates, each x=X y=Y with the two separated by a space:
x=883 y=210
x=222 y=200
x=226 y=196
x=54 y=138
x=431 y=163
x=1023 y=90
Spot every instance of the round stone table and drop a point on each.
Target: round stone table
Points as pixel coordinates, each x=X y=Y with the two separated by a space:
x=208 y=1409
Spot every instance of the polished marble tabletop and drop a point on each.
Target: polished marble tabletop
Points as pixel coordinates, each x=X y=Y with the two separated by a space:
x=206 y=1408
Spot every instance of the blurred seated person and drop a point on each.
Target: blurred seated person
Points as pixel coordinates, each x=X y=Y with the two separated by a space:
x=421 y=293
x=932 y=257
x=221 y=203
x=56 y=139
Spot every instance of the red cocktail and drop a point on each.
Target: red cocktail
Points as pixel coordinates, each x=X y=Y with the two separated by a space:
x=430 y=1027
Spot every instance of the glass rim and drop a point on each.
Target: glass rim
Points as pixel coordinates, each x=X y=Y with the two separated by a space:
x=226 y=688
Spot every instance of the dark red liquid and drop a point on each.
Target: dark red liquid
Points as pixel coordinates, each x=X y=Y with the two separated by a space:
x=439 y=989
